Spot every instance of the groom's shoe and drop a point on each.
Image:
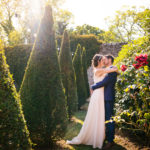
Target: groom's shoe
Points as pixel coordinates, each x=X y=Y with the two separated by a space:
x=108 y=145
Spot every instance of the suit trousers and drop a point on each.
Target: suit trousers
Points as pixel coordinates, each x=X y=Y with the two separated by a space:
x=110 y=127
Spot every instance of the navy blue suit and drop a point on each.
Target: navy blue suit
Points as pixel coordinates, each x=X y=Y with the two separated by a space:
x=109 y=95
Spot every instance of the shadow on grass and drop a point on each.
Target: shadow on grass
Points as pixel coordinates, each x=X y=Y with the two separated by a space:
x=85 y=147
x=63 y=146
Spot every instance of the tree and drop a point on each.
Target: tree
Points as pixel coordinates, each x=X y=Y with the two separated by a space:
x=144 y=21
x=13 y=130
x=81 y=89
x=24 y=17
x=84 y=64
x=8 y=11
x=125 y=26
x=63 y=18
x=88 y=29
x=68 y=75
x=42 y=93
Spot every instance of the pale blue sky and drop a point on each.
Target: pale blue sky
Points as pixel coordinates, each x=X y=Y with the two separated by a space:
x=93 y=12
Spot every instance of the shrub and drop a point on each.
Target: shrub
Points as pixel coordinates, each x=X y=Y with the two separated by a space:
x=68 y=75
x=133 y=87
x=17 y=57
x=13 y=130
x=42 y=94
x=84 y=64
x=91 y=44
x=81 y=89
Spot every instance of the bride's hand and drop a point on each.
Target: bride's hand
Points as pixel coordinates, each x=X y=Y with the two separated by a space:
x=116 y=70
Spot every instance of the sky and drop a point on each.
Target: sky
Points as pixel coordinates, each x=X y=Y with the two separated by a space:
x=94 y=12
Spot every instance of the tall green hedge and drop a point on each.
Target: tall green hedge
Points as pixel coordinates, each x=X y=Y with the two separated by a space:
x=13 y=130
x=81 y=88
x=68 y=75
x=84 y=64
x=42 y=93
x=91 y=44
x=17 y=57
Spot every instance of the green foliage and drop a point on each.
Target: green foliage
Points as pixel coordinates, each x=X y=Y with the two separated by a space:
x=144 y=20
x=13 y=130
x=81 y=88
x=87 y=30
x=91 y=44
x=17 y=57
x=125 y=26
x=68 y=75
x=15 y=37
x=63 y=18
x=133 y=87
x=42 y=94
x=84 y=64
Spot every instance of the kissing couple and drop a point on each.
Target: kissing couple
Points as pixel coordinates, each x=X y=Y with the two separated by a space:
x=98 y=122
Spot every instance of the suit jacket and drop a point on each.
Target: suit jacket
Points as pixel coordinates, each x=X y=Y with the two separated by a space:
x=109 y=86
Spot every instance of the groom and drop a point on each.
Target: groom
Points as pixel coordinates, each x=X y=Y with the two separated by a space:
x=109 y=95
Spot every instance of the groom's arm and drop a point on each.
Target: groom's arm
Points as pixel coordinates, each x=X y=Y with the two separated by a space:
x=109 y=78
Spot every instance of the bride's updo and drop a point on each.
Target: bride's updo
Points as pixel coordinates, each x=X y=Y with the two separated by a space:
x=96 y=59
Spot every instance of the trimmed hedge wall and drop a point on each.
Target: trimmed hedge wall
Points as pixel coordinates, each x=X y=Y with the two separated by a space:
x=91 y=44
x=17 y=57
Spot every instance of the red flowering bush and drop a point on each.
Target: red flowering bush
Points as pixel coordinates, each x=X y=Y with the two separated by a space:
x=133 y=88
x=142 y=61
x=123 y=67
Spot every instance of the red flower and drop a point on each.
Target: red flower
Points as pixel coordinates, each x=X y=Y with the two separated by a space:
x=123 y=67
x=137 y=66
x=142 y=61
x=141 y=58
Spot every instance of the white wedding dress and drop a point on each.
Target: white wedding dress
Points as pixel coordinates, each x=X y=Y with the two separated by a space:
x=93 y=129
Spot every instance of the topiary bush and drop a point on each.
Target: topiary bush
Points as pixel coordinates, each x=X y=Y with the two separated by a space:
x=81 y=88
x=84 y=64
x=42 y=92
x=90 y=42
x=17 y=57
x=13 y=130
x=68 y=75
x=133 y=86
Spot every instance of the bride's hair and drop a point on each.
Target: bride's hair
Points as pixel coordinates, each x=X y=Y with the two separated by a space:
x=96 y=59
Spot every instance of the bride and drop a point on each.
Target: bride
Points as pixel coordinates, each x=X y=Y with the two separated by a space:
x=93 y=129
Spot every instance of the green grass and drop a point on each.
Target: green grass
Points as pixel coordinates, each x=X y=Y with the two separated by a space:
x=73 y=129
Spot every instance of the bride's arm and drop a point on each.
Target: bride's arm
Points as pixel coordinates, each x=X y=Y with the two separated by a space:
x=102 y=71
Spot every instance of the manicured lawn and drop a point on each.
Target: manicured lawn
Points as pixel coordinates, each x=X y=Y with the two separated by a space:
x=121 y=142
